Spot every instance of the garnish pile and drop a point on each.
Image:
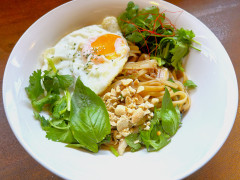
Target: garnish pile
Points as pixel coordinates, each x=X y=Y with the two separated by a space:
x=156 y=35
x=80 y=120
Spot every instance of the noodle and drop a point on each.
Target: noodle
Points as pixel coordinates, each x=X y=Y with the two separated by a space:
x=148 y=82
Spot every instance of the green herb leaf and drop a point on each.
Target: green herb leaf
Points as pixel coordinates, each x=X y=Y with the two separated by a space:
x=89 y=119
x=34 y=90
x=155 y=138
x=60 y=135
x=132 y=10
x=135 y=37
x=185 y=36
x=53 y=82
x=169 y=116
x=44 y=122
x=114 y=151
x=159 y=60
x=65 y=81
x=50 y=82
x=59 y=108
x=75 y=146
x=190 y=84
x=148 y=30
x=106 y=140
x=179 y=51
x=131 y=141
x=49 y=99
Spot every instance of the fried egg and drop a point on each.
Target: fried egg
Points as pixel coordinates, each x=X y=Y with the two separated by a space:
x=95 y=53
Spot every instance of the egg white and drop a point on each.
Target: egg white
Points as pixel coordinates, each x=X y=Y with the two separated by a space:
x=68 y=57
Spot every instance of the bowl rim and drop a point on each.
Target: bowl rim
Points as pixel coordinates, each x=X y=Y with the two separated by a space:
x=61 y=174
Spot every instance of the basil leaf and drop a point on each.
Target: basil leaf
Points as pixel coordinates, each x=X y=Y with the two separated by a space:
x=190 y=84
x=169 y=116
x=89 y=119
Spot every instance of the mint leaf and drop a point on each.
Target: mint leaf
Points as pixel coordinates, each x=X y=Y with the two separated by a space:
x=131 y=139
x=169 y=116
x=34 y=90
x=190 y=84
x=89 y=119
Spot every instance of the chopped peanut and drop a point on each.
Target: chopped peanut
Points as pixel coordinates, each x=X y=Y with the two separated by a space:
x=136 y=82
x=127 y=109
x=155 y=101
x=113 y=92
x=126 y=82
x=140 y=89
x=120 y=110
x=118 y=89
x=122 y=124
x=146 y=97
x=128 y=100
x=137 y=116
x=139 y=99
x=122 y=146
x=132 y=91
x=125 y=92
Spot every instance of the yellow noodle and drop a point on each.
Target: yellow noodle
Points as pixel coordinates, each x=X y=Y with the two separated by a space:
x=153 y=88
x=154 y=79
x=146 y=64
x=170 y=84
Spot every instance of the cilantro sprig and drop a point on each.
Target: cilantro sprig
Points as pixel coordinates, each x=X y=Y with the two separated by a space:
x=149 y=29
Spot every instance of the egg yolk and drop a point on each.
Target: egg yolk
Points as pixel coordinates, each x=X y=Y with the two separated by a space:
x=104 y=44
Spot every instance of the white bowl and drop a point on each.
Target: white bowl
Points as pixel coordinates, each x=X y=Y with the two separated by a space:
x=205 y=127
